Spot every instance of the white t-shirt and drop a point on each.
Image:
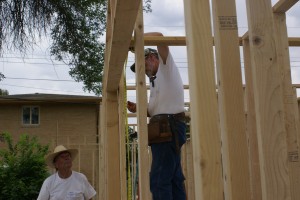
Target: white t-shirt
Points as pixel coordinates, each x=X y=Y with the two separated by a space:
x=166 y=97
x=76 y=187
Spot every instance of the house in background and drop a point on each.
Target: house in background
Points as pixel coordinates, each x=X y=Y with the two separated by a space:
x=73 y=121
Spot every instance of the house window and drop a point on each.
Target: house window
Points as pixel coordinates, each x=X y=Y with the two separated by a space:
x=31 y=115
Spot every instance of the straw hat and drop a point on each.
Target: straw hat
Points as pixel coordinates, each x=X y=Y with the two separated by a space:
x=59 y=149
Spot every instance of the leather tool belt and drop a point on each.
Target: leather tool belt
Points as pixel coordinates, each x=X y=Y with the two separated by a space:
x=159 y=129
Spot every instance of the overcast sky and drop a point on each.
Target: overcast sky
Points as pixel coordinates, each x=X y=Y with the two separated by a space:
x=38 y=73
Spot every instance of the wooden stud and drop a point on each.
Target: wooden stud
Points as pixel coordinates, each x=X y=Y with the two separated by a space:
x=289 y=102
x=268 y=102
x=121 y=33
x=231 y=102
x=122 y=127
x=101 y=149
x=189 y=172
x=255 y=182
x=113 y=146
x=144 y=186
x=283 y=6
x=204 y=108
x=103 y=189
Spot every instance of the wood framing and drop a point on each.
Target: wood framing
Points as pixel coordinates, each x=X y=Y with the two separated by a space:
x=118 y=38
x=237 y=151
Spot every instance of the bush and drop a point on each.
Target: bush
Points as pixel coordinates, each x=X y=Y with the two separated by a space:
x=22 y=168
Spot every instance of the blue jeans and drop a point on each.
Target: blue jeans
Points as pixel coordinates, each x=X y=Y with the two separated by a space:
x=166 y=177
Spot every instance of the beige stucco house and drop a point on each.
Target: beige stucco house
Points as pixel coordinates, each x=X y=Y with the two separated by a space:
x=73 y=121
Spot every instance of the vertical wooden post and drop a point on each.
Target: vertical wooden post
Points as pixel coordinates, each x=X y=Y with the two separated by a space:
x=144 y=184
x=205 y=135
x=111 y=129
x=268 y=102
x=231 y=102
x=113 y=146
x=122 y=110
x=102 y=159
x=188 y=170
x=103 y=188
x=255 y=182
x=289 y=102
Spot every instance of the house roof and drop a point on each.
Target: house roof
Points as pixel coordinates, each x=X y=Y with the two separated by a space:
x=48 y=98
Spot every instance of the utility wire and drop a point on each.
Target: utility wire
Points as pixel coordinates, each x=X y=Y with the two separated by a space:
x=40 y=88
x=40 y=79
x=23 y=62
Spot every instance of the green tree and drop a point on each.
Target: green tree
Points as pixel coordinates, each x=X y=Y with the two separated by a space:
x=22 y=168
x=74 y=26
x=3 y=92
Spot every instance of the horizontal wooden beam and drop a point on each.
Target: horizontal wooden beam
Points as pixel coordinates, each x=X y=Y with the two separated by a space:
x=296 y=85
x=131 y=115
x=175 y=41
x=294 y=41
x=283 y=6
x=181 y=41
x=133 y=87
x=186 y=87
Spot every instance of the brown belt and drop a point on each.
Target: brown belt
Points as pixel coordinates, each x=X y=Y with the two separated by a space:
x=178 y=116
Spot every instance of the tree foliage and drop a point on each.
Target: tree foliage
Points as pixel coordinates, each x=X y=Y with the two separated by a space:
x=3 y=92
x=22 y=168
x=74 y=26
x=1 y=76
x=78 y=35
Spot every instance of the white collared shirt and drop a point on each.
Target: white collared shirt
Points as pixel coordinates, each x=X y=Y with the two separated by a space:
x=76 y=187
x=167 y=95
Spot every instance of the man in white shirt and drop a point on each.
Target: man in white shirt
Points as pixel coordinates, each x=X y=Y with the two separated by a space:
x=65 y=184
x=166 y=105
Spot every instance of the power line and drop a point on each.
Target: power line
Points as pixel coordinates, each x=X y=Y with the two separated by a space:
x=17 y=62
x=41 y=88
x=40 y=79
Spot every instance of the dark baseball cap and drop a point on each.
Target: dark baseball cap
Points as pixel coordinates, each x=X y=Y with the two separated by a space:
x=147 y=52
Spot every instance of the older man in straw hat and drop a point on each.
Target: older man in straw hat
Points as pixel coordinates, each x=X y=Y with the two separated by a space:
x=65 y=183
